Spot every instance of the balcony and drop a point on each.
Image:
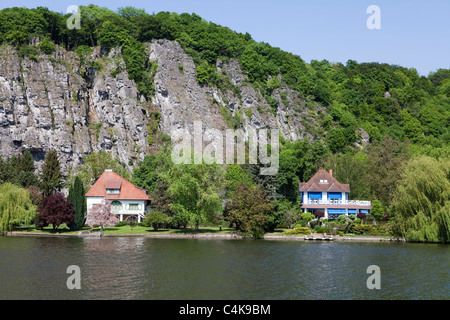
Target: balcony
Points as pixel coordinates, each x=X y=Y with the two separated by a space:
x=339 y=202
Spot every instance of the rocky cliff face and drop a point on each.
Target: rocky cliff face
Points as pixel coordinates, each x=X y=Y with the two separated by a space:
x=57 y=102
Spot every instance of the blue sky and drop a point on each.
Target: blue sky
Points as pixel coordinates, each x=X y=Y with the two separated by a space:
x=413 y=34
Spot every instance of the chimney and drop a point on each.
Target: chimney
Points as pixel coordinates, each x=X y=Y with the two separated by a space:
x=331 y=172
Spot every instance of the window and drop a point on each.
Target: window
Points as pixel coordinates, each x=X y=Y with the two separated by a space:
x=112 y=191
x=116 y=205
x=134 y=206
x=323 y=181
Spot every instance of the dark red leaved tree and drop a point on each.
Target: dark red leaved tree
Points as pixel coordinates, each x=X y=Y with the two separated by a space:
x=55 y=209
x=319 y=214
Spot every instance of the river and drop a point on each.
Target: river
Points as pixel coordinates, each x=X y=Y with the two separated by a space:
x=169 y=269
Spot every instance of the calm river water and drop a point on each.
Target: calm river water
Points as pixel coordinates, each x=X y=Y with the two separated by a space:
x=144 y=268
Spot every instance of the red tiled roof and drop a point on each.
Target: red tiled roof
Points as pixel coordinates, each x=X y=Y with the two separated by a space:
x=113 y=184
x=332 y=185
x=111 y=180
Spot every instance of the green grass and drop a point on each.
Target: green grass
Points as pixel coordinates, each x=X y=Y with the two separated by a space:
x=63 y=229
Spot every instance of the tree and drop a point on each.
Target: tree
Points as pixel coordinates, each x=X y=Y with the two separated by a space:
x=384 y=162
x=161 y=198
x=78 y=199
x=150 y=169
x=421 y=205
x=194 y=190
x=25 y=162
x=377 y=210
x=24 y=170
x=234 y=177
x=284 y=214
x=248 y=210
x=15 y=207
x=100 y=215
x=51 y=177
x=319 y=214
x=350 y=169
x=55 y=209
x=47 y=46
x=306 y=216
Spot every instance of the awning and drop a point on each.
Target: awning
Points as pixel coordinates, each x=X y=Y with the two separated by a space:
x=363 y=211
x=352 y=211
x=336 y=211
x=315 y=195
x=334 y=195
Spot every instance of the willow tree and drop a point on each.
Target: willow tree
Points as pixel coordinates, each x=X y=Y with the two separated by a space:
x=194 y=189
x=421 y=204
x=15 y=207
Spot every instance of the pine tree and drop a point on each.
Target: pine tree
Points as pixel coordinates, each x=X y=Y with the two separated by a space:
x=25 y=176
x=77 y=197
x=51 y=174
x=25 y=162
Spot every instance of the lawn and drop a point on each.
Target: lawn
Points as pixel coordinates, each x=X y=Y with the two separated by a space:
x=63 y=229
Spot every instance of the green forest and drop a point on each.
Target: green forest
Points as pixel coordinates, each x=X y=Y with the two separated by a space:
x=404 y=170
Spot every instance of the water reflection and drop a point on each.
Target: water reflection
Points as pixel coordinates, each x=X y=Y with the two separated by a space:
x=114 y=267
x=143 y=268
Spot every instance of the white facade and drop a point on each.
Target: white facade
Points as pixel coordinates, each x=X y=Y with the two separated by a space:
x=126 y=208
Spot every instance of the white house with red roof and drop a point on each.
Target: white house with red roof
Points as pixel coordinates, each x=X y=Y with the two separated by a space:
x=324 y=192
x=127 y=200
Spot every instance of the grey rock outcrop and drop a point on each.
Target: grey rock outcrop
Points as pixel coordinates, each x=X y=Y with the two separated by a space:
x=56 y=102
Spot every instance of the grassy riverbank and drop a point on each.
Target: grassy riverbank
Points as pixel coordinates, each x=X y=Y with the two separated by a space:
x=125 y=230
x=206 y=232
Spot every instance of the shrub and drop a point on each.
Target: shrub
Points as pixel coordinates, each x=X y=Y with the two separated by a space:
x=120 y=224
x=31 y=52
x=307 y=216
x=314 y=224
x=331 y=226
x=156 y=219
x=361 y=216
x=47 y=46
x=300 y=223
x=367 y=229
x=299 y=230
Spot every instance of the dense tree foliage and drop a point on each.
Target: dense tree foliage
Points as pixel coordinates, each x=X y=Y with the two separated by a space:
x=51 y=176
x=55 y=209
x=195 y=193
x=77 y=198
x=249 y=209
x=380 y=98
x=421 y=206
x=15 y=207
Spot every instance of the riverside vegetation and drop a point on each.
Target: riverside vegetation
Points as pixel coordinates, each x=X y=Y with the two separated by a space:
x=403 y=166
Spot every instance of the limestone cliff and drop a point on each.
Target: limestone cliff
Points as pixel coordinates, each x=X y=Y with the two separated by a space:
x=57 y=102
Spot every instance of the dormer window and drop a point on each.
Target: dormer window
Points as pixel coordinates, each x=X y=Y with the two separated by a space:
x=113 y=186
x=112 y=191
x=323 y=181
